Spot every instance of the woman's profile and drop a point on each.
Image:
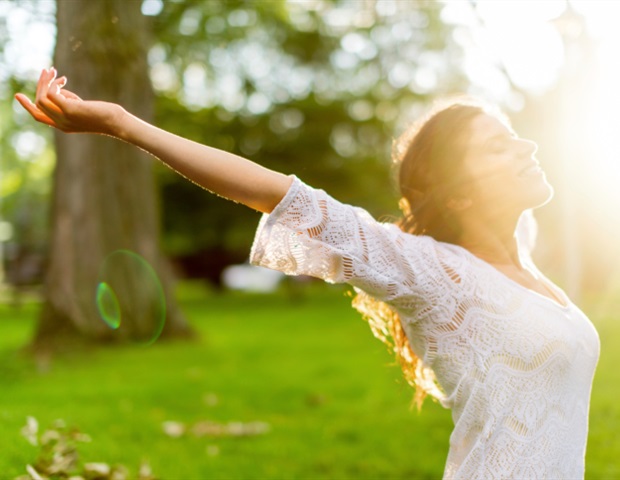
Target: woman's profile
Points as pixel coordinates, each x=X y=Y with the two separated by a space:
x=452 y=287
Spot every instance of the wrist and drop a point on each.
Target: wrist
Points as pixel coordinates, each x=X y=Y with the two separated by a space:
x=117 y=124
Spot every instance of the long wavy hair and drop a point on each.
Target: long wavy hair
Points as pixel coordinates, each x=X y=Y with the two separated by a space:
x=428 y=157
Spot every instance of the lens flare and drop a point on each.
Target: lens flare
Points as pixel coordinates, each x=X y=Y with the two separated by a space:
x=130 y=298
x=107 y=305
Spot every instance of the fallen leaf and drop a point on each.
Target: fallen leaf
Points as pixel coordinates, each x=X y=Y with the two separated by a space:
x=207 y=428
x=173 y=429
x=33 y=473
x=234 y=429
x=97 y=469
x=30 y=431
x=145 y=472
x=50 y=436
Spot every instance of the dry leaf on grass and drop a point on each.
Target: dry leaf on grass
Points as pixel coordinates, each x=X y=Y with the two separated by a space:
x=215 y=429
x=97 y=469
x=173 y=429
x=58 y=457
x=31 y=431
x=33 y=473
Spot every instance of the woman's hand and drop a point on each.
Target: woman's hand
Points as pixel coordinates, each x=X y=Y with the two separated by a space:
x=65 y=111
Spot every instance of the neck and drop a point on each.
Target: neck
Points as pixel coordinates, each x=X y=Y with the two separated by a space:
x=492 y=239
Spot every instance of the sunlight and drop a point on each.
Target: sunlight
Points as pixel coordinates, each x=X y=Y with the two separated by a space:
x=523 y=39
x=603 y=135
x=526 y=39
x=516 y=11
x=534 y=60
x=562 y=54
x=604 y=138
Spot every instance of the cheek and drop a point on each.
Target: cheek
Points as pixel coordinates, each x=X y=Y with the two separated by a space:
x=492 y=178
x=493 y=182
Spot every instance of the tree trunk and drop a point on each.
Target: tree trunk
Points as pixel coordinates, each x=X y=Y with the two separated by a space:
x=104 y=195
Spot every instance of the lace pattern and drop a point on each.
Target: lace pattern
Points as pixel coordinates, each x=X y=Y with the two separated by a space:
x=515 y=367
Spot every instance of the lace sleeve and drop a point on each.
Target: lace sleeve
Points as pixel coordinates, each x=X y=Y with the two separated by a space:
x=310 y=233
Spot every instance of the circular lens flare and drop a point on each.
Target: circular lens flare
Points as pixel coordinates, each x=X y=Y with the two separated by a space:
x=128 y=288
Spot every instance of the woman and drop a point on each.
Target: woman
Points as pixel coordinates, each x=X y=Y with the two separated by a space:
x=473 y=321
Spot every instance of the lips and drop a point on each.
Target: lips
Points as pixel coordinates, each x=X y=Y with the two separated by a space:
x=529 y=170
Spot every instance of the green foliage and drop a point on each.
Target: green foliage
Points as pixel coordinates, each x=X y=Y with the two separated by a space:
x=312 y=89
x=26 y=153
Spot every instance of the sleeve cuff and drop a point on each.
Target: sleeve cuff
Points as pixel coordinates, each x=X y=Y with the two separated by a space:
x=268 y=220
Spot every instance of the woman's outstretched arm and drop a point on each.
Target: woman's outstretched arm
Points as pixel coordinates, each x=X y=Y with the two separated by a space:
x=220 y=172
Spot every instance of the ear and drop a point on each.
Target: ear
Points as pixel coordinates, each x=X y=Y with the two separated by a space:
x=458 y=204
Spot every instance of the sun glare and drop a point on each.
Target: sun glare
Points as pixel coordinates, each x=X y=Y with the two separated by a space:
x=526 y=38
x=563 y=54
x=604 y=134
x=530 y=48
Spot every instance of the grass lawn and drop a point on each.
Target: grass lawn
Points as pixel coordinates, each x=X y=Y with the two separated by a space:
x=336 y=406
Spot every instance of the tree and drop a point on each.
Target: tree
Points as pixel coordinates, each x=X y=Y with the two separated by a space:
x=104 y=195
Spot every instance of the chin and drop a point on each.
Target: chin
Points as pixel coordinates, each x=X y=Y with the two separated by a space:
x=542 y=195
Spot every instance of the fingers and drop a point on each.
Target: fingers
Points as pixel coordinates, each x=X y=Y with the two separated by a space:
x=42 y=85
x=32 y=109
x=61 y=82
x=51 y=101
x=47 y=83
x=54 y=93
x=44 y=109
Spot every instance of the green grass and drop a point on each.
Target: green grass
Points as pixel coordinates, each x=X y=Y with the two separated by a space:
x=337 y=407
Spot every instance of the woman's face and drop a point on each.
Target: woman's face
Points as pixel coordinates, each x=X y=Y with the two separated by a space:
x=502 y=170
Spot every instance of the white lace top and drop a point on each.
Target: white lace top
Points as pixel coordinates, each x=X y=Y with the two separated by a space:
x=515 y=367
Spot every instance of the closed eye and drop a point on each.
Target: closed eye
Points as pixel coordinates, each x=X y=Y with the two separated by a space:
x=500 y=143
